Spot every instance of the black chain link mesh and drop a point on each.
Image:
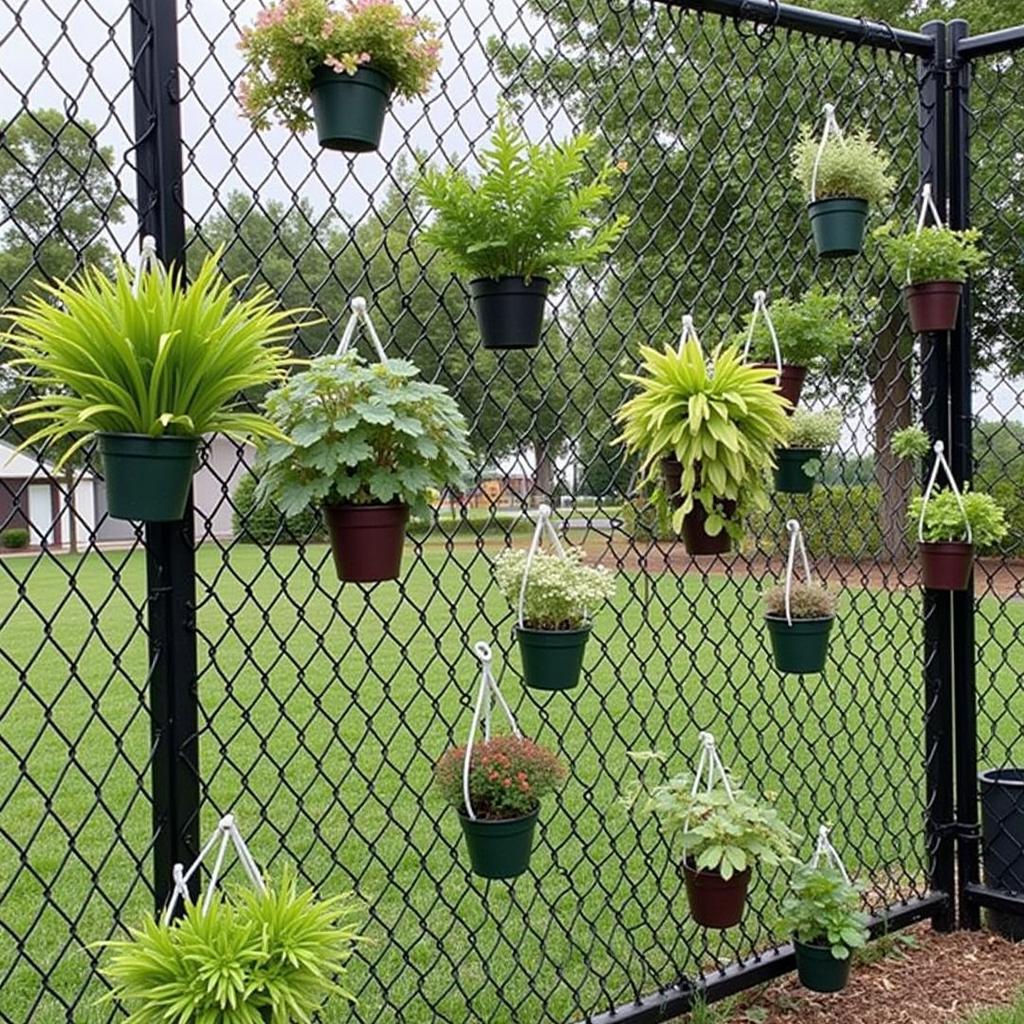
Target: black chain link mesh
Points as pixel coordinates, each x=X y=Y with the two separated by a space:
x=322 y=707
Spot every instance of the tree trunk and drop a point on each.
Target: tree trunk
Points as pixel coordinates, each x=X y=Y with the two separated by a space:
x=892 y=393
x=69 y=497
x=543 y=473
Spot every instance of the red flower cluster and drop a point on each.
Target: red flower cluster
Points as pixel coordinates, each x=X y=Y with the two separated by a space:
x=508 y=776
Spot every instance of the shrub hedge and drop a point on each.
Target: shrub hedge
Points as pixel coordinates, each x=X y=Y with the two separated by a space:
x=15 y=537
x=264 y=525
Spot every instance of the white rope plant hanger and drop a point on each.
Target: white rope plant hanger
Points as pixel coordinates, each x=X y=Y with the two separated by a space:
x=544 y=524
x=761 y=309
x=487 y=691
x=361 y=316
x=941 y=463
x=796 y=543
x=688 y=333
x=224 y=835
x=824 y=850
x=831 y=127
x=148 y=261
x=710 y=772
x=927 y=206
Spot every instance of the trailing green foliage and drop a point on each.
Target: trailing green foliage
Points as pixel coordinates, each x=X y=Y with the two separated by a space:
x=261 y=523
x=361 y=433
x=508 y=777
x=722 y=419
x=717 y=833
x=561 y=593
x=813 y=331
x=823 y=909
x=530 y=214
x=810 y=429
x=852 y=167
x=264 y=958
x=172 y=359
x=944 y=522
x=15 y=537
x=937 y=254
x=910 y=443
x=806 y=601
x=291 y=39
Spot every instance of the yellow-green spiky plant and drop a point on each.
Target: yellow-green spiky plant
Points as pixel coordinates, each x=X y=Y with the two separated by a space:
x=722 y=419
x=165 y=358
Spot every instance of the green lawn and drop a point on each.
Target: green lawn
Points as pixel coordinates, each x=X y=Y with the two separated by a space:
x=323 y=745
x=1002 y=1015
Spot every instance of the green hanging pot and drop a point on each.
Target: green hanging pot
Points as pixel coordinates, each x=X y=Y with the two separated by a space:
x=838 y=226
x=499 y=849
x=819 y=970
x=800 y=648
x=349 y=109
x=790 y=474
x=147 y=478
x=552 y=659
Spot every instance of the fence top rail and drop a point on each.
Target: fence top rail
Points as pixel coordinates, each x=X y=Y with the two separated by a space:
x=1004 y=41
x=876 y=34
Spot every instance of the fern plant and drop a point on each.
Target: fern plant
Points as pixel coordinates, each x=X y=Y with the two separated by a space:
x=851 y=166
x=533 y=212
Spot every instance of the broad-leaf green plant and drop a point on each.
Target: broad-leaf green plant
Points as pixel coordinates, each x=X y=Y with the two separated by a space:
x=910 y=443
x=813 y=331
x=720 y=417
x=361 y=433
x=852 y=167
x=169 y=358
x=944 y=522
x=823 y=909
x=937 y=254
x=534 y=211
x=262 y=958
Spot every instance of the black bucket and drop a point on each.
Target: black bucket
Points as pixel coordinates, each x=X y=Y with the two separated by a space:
x=1002 y=829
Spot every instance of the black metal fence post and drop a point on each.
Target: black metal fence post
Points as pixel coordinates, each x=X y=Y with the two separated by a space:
x=965 y=697
x=170 y=547
x=938 y=666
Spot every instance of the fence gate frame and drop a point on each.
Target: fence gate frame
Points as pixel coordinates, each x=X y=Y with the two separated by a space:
x=944 y=53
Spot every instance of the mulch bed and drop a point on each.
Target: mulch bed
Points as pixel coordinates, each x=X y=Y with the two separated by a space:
x=939 y=980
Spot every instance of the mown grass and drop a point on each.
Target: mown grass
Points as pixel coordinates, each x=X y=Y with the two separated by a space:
x=323 y=709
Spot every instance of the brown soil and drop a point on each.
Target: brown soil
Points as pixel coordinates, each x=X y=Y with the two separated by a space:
x=941 y=979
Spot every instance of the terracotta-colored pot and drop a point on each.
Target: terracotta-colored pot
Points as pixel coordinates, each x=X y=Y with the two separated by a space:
x=933 y=306
x=697 y=539
x=672 y=479
x=946 y=566
x=789 y=383
x=367 y=540
x=715 y=902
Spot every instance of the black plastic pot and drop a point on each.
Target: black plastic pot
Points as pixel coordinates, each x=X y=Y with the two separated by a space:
x=147 y=478
x=349 y=109
x=790 y=475
x=509 y=311
x=1002 y=829
x=818 y=969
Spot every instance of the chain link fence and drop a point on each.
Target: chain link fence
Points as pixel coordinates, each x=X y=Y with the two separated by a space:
x=321 y=708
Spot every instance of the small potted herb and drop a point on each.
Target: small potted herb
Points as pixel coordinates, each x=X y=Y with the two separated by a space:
x=147 y=366
x=369 y=442
x=946 y=547
x=850 y=176
x=723 y=834
x=707 y=432
x=932 y=267
x=813 y=332
x=800 y=632
x=268 y=956
x=561 y=594
x=508 y=778
x=534 y=213
x=822 y=913
x=346 y=64
x=799 y=460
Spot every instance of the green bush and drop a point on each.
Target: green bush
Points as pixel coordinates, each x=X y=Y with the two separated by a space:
x=15 y=537
x=264 y=524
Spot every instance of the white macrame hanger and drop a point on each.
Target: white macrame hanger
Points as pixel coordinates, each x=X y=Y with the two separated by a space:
x=927 y=206
x=709 y=771
x=688 y=332
x=543 y=523
x=831 y=125
x=360 y=316
x=148 y=260
x=796 y=540
x=761 y=308
x=225 y=833
x=941 y=463
x=824 y=849
x=482 y=711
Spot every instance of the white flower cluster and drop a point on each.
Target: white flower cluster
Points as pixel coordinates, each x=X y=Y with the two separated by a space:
x=560 y=593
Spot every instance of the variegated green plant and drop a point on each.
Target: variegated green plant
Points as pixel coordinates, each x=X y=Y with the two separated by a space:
x=721 y=418
x=166 y=358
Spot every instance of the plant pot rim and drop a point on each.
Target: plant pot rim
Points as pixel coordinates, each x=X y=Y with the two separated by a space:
x=365 y=504
x=324 y=70
x=933 y=545
x=497 y=821
x=811 y=203
x=946 y=282
x=691 y=866
x=553 y=632
x=820 y=947
x=796 y=619
x=799 y=450
x=990 y=776
x=148 y=437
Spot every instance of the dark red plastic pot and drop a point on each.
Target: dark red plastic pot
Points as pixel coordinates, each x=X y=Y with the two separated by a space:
x=790 y=382
x=672 y=479
x=933 y=306
x=715 y=902
x=946 y=566
x=367 y=540
x=696 y=537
